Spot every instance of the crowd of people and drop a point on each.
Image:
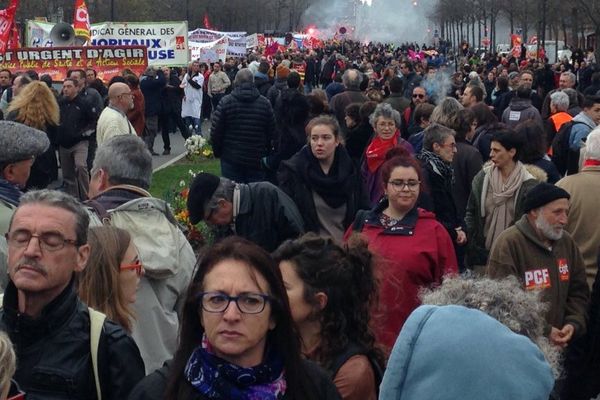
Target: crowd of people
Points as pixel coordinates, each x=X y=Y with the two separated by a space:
x=388 y=221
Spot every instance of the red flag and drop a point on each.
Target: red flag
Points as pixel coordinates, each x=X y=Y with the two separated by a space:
x=15 y=40
x=272 y=48
x=206 y=21
x=81 y=20
x=7 y=20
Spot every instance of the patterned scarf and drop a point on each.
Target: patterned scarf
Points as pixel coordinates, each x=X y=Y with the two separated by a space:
x=216 y=378
x=9 y=192
x=437 y=164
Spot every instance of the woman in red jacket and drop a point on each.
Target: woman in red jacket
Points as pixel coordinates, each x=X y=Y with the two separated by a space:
x=415 y=250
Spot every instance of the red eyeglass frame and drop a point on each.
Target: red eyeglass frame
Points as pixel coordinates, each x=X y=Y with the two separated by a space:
x=137 y=266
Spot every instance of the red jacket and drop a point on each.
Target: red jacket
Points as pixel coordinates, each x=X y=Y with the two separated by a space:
x=416 y=252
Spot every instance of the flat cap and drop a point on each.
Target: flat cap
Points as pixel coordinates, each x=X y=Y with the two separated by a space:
x=19 y=142
x=202 y=189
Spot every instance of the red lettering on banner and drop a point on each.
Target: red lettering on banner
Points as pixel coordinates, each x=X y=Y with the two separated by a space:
x=537 y=279
x=563 y=269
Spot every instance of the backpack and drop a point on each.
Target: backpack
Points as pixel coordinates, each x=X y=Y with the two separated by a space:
x=565 y=159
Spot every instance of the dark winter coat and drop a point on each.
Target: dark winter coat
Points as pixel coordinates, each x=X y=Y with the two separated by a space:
x=154 y=385
x=75 y=115
x=467 y=163
x=520 y=110
x=151 y=87
x=243 y=127
x=293 y=179
x=54 y=351
x=267 y=216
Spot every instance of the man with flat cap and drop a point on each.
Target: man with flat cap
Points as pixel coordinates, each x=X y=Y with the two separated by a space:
x=258 y=211
x=19 y=145
x=544 y=257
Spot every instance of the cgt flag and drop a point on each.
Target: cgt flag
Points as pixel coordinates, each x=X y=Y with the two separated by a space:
x=81 y=20
x=7 y=20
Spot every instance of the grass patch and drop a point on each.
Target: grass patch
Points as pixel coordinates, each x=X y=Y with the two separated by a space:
x=168 y=178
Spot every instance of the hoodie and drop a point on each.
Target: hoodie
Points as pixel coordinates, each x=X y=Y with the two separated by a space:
x=520 y=110
x=453 y=352
x=168 y=261
x=582 y=126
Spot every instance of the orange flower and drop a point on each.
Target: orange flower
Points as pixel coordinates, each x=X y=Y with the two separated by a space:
x=185 y=193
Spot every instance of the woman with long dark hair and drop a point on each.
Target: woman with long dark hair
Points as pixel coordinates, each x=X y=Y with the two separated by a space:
x=332 y=290
x=237 y=338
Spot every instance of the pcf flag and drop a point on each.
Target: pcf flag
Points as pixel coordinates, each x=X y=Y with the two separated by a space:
x=81 y=20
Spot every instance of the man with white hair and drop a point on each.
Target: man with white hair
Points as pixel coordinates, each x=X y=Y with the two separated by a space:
x=538 y=251
x=584 y=219
x=559 y=105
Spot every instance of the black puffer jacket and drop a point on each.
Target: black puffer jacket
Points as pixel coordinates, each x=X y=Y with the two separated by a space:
x=242 y=127
x=54 y=351
x=75 y=115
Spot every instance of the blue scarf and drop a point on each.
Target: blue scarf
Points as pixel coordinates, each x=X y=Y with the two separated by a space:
x=9 y=192
x=216 y=378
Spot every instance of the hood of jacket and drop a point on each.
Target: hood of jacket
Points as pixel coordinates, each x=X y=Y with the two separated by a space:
x=153 y=229
x=495 y=357
x=518 y=104
x=245 y=92
x=583 y=117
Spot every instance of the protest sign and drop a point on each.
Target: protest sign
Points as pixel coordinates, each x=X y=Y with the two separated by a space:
x=209 y=52
x=166 y=41
x=237 y=40
x=108 y=61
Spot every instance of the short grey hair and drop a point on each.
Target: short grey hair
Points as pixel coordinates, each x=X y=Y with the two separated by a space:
x=243 y=75
x=126 y=160
x=384 y=110
x=436 y=133
x=505 y=300
x=352 y=78
x=592 y=145
x=560 y=100
x=55 y=198
x=571 y=76
x=446 y=113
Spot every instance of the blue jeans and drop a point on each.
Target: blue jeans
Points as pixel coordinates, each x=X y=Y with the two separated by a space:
x=196 y=125
x=241 y=174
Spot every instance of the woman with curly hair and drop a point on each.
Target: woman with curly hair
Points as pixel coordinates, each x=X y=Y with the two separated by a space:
x=110 y=280
x=36 y=106
x=331 y=291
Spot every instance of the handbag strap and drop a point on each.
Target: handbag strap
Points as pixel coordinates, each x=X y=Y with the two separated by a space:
x=96 y=323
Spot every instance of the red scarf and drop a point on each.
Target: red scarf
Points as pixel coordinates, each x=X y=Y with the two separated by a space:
x=591 y=163
x=377 y=149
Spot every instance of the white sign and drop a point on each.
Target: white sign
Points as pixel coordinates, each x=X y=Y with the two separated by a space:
x=252 y=41
x=209 y=52
x=166 y=41
x=237 y=40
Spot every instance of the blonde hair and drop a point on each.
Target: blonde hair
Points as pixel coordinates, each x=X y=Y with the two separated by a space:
x=8 y=361
x=36 y=106
x=99 y=282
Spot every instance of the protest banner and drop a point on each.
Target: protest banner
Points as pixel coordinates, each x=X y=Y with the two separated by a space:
x=209 y=52
x=237 y=40
x=252 y=41
x=166 y=42
x=108 y=61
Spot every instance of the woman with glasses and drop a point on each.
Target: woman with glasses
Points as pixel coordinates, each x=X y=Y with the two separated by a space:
x=323 y=181
x=110 y=280
x=497 y=195
x=415 y=249
x=237 y=339
x=386 y=124
x=332 y=290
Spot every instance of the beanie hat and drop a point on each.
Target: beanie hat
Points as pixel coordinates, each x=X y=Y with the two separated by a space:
x=201 y=191
x=543 y=194
x=282 y=71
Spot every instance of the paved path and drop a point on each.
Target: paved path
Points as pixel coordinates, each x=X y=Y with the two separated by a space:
x=177 y=148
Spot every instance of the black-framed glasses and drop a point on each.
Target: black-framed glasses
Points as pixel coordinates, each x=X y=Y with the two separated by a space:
x=247 y=303
x=50 y=241
x=399 y=184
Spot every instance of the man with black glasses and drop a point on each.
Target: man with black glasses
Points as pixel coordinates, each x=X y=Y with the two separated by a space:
x=64 y=349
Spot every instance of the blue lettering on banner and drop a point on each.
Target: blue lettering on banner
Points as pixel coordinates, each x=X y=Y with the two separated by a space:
x=150 y=43
x=161 y=54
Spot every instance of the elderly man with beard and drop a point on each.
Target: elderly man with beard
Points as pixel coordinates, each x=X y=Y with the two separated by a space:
x=543 y=256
